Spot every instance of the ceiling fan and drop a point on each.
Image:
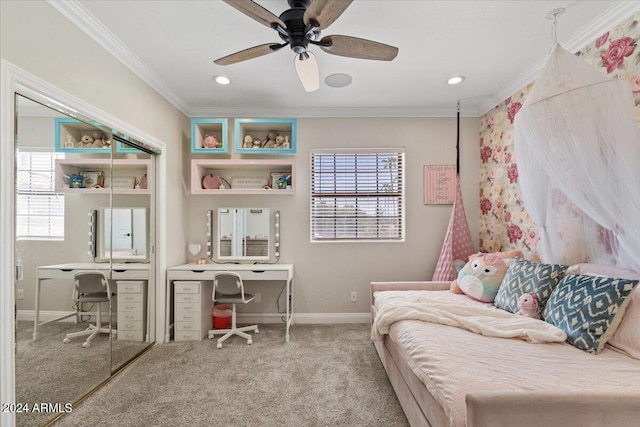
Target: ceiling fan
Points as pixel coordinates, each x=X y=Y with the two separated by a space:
x=299 y=27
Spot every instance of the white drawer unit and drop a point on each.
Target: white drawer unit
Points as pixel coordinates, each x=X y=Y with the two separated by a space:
x=131 y=310
x=192 y=310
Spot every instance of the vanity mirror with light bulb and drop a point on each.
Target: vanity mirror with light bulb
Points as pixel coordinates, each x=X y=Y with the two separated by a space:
x=243 y=235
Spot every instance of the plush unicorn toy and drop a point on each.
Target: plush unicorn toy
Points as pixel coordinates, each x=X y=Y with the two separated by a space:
x=528 y=306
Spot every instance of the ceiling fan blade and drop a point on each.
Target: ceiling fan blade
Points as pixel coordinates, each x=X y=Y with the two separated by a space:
x=324 y=12
x=252 y=52
x=355 y=47
x=257 y=12
x=307 y=69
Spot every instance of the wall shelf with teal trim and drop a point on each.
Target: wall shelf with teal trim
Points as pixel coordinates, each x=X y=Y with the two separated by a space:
x=259 y=129
x=68 y=138
x=216 y=128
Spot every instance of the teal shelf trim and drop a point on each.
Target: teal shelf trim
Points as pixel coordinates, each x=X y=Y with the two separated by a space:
x=60 y=145
x=221 y=135
x=259 y=128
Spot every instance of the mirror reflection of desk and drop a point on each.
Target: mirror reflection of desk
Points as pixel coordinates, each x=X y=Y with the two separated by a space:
x=248 y=272
x=117 y=272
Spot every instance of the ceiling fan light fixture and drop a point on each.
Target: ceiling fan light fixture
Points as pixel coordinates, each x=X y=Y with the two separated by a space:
x=221 y=80
x=455 y=80
x=307 y=69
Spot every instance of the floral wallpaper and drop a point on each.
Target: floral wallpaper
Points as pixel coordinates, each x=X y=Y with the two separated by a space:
x=504 y=221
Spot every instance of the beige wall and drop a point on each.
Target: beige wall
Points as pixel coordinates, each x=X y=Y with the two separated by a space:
x=327 y=272
x=35 y=37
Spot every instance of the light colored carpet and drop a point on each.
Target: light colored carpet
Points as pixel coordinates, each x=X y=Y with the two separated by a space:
x=49 y=371
x=327 y=375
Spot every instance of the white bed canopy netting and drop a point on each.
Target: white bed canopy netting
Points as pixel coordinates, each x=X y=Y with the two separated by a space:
x=577 y=144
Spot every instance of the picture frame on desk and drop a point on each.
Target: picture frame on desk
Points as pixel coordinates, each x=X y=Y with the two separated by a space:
x=91 y=179
x=123 y=182
x=275 y=179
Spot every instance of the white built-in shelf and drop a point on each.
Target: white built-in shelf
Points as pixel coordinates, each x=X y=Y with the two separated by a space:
x=245 y=176
x=125 y=176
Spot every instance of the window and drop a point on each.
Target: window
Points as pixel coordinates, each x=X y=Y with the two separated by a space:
x=357 y=195
x=39 y=211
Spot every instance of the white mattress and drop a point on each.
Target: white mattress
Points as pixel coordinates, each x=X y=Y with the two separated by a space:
x=452 y=362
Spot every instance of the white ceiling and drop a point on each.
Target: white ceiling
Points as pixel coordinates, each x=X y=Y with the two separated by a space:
x=498 y=45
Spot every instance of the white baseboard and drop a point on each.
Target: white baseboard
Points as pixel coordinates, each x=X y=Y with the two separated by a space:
x=46 y=315
x=305 y=318
x=300 y=318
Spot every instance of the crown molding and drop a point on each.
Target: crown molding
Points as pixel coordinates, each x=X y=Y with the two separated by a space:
x=80 y=17
x=588 y=34
x=84 y=20
x=328 y=112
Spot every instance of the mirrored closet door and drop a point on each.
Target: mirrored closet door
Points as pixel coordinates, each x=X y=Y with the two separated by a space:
x=84 y=263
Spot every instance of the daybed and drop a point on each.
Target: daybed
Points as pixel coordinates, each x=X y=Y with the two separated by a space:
x=448 y=376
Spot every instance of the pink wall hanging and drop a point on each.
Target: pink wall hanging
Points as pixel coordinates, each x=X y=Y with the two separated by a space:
x=439 y=184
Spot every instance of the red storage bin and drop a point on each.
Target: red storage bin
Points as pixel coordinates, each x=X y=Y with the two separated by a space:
x=221 y=316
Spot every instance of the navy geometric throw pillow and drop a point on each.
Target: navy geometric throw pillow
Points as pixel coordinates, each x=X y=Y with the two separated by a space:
x=589 y=309
x=531 y=278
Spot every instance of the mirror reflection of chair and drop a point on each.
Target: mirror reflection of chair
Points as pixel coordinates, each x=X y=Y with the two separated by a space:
x=91 y=287
x=228 y=288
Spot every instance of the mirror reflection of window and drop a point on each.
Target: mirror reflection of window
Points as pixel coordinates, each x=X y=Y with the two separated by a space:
x=244 y=233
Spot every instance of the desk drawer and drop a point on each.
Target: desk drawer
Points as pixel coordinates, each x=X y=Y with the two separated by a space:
x=129 y=306
x=187 y=287
x=135 y=325
x=130 y=274
x=125 y=287
x=125 y=298
x=188 y=326
x=187 y=307
x=194 y=298
x=187 y=316
x=263 y=275
x=130 y=335
x=187 y=336
x=128 y=316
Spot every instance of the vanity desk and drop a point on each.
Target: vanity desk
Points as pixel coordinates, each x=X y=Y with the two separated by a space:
x=248 y=272
x=126 y=273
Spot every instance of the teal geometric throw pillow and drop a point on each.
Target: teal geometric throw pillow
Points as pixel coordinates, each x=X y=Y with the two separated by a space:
x=527 y=277
x=589 y=309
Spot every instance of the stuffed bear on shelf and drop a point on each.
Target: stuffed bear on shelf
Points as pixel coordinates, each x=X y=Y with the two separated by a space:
x=271 y=140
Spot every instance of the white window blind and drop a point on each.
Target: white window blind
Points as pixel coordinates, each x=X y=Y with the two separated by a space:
x=39 y=211
x=357 y=195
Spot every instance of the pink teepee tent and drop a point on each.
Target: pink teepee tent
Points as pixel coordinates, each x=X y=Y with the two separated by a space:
x=457 y=242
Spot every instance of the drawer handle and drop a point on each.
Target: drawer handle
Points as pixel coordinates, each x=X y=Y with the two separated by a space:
x=258 y=271
x=129 y=326
x=129 y=317
x=187 y=308
x=187 y=298
x=130 y=306
x=187 y=326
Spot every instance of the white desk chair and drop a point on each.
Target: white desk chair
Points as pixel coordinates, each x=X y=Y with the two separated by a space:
x=91 y=287
x=229 y=289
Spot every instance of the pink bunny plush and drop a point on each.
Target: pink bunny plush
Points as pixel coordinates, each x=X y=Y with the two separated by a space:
x=528 y=306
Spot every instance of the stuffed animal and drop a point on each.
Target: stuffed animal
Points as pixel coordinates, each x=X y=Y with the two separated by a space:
x=86 y=141
x=98 y=140
x=279 y=141
x=210 y=141
x=528 y=306
x=271 y=140
x=481 y=277
x=257 y=143
x=247 y=142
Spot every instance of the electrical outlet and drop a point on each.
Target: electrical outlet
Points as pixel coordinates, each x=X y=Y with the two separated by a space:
x=354 y=297
x=20 y=294
x=258 y=297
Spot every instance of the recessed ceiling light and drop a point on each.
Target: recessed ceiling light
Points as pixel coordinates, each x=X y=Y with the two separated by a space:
x=221 y=80
x=338 y=80
x=455 y=80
